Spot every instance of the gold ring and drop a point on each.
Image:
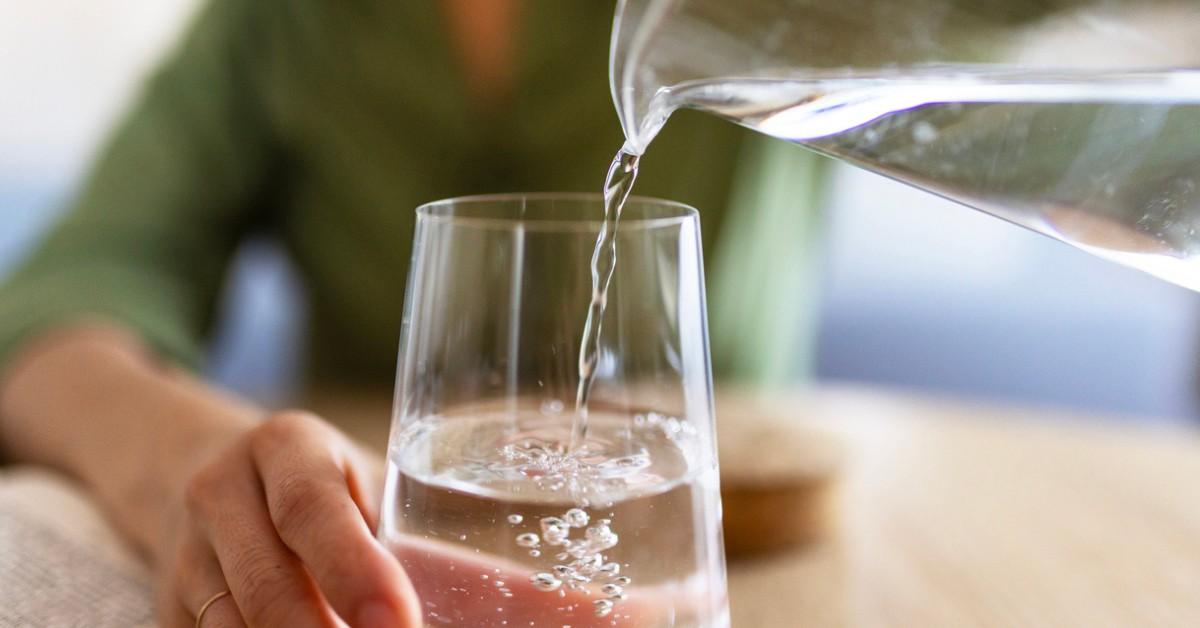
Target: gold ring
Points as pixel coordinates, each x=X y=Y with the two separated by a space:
x=204 y=608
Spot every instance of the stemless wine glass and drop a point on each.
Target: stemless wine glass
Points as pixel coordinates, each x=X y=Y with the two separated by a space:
x=496 y=517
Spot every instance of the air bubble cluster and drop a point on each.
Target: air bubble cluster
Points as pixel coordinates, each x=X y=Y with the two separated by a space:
x=670 y=426
x=582 y=561
x=576 y=518
x=574 y=545
x=603 y=607
x=545 y=582
x=576 y=473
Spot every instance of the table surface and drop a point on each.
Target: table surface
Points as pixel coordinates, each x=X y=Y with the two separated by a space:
x=961 y=515
x=956 y=514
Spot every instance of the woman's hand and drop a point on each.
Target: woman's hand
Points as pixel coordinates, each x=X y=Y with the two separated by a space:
x=279 y=511
x=282 y=518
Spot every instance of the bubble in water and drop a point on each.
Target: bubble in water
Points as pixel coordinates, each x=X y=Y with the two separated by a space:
x=534 y=553
x=601 y=537
x=515 y=519
x=554 y=530
x=576 y=518
x=582 y=561
x=626 y=464
x=924 y=132
x=543 y=581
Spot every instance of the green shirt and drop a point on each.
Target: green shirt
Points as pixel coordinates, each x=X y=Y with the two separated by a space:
x=325 y=124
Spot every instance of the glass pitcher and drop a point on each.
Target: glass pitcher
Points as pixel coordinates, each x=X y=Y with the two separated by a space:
x=1078 y=119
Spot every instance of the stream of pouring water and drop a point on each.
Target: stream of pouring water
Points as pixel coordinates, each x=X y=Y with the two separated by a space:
x=617 y=185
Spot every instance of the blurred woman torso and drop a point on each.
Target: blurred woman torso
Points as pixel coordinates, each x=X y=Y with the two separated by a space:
x=373 y=116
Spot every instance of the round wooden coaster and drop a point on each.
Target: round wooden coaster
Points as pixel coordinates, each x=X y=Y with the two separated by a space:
x=778 y=476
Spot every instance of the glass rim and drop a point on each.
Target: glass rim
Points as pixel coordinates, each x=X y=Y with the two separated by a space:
x=442 y=211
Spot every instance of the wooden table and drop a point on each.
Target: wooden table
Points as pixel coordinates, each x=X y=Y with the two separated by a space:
x=966 y=515
x=959 y=515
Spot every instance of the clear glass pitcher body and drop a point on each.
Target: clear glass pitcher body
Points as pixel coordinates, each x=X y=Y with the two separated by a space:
x=1077 y=119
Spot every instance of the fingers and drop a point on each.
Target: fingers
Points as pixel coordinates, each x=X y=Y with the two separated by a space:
x=198 y=579
x=363 y=474
x=172 y=614
x=267 y=581
x=283 y=519
x=310 y=497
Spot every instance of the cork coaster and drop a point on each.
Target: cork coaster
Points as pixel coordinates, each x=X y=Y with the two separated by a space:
x=778 y=476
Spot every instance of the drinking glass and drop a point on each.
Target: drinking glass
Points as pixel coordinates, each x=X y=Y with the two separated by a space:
x=497 y=518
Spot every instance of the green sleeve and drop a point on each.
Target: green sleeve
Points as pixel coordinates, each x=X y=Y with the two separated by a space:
x=763 y=330
x=146 y=240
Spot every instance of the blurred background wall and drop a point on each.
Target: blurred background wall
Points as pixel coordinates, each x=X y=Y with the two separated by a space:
x=66 y=69
x=918 y=292
x=924 y=293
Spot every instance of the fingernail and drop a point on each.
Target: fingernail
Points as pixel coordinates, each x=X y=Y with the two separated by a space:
x=377 y=615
